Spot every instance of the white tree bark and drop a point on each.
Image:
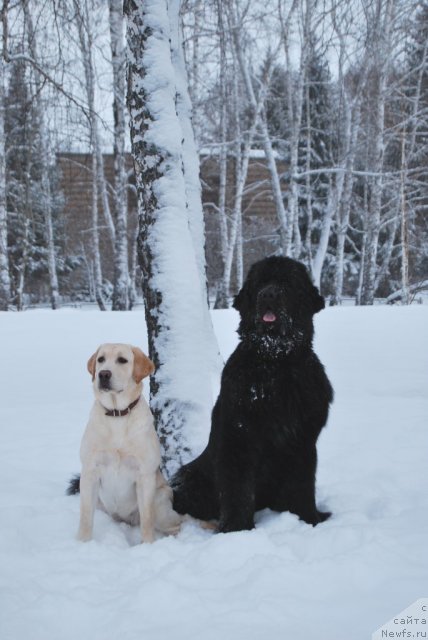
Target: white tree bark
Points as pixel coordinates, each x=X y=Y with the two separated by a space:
x=4 y=259
x=133 y=272
x=308 y=167
x=404 y=225
x=352 y=120
x=95 y=240
x=257 y=105
x=409 y=150
x=318 y=260
x=84 y=30
x=83 y=21
x=239 y=179
x=194 y=85
x=389 y=244
x=295 y=97
x=381 y=61
x=222 y=286
x=118 y=56
x=349 y=124
x=191 y=169
x=50 y=242
x=22 y=267
x=43 y=150
x=176 y=311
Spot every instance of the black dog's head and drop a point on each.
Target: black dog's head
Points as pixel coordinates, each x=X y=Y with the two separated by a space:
x=277 y=303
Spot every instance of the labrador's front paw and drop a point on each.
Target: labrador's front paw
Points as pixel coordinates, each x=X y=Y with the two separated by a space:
x=84 y=534
x=147 y=535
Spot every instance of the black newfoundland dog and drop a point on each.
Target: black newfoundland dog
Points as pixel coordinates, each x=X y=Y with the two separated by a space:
x=273 y=402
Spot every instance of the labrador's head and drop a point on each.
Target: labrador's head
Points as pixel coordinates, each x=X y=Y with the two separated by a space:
x=118 y=368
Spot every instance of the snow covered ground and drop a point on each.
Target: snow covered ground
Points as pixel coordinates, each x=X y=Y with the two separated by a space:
x=339 y=581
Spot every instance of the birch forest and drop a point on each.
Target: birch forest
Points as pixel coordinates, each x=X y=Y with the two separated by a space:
x=330 y=96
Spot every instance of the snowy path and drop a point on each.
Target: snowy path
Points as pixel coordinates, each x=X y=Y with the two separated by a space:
x=339 y=581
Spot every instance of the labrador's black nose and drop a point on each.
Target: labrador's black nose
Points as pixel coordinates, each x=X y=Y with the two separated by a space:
x=104 y=376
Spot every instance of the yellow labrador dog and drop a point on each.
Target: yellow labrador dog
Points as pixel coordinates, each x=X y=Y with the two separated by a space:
x=120 y=451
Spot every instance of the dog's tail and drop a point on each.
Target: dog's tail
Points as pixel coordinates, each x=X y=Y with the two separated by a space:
x=74 y=486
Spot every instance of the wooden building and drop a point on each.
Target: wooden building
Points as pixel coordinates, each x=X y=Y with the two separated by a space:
x=259 y=221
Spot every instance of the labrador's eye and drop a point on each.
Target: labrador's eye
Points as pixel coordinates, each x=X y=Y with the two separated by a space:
x=101 y=359
x=122 y=360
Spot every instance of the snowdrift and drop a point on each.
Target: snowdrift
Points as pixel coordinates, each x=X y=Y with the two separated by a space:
x=339 y=581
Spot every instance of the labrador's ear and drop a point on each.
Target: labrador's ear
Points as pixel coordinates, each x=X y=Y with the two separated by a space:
x=143 y=366
x=92 y=363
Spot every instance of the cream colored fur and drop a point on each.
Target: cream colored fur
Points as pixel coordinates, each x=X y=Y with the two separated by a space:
x=121 y=455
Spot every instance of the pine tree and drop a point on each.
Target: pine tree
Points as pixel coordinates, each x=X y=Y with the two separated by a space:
x=26 y=197
x=24 y=228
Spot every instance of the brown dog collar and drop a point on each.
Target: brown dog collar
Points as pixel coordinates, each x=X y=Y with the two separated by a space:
x=117 y=413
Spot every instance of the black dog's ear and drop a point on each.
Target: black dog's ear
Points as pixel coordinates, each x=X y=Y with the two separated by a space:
x=241 y=300
x=238 y=300
x=318 y=302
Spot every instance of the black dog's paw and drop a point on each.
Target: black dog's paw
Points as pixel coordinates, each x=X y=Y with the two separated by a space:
x=233 y=524
x=316 y=517
x=324 y=515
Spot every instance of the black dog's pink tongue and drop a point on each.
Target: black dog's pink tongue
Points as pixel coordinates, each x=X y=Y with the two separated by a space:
x=269 y=317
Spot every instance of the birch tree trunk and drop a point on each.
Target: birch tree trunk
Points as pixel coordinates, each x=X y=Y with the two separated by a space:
x=84 y=29
x=381 y=57
x=242 y=154
x=241 y=172
x=346 y=182
x=83 y=21
x=308 y=166
x=95 y=240
x=133 y=271
x=120 y=300
x=191 y=169
x=239 y=179
x=42 y=143
x=180 y=390
x=404 y=225
x=222 y=286
x=53 y=278
x=369 y=265
x=295 y=96
x=194 y=87
x=4 y=259
x=22 y=267
x=318 y=260
x=257 y=105
x=389 y=244
x=350 y=130
x=352 y=121
x=295 y=102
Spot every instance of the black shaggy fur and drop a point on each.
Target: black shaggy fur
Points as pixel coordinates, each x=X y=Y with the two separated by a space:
x=273 y=402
